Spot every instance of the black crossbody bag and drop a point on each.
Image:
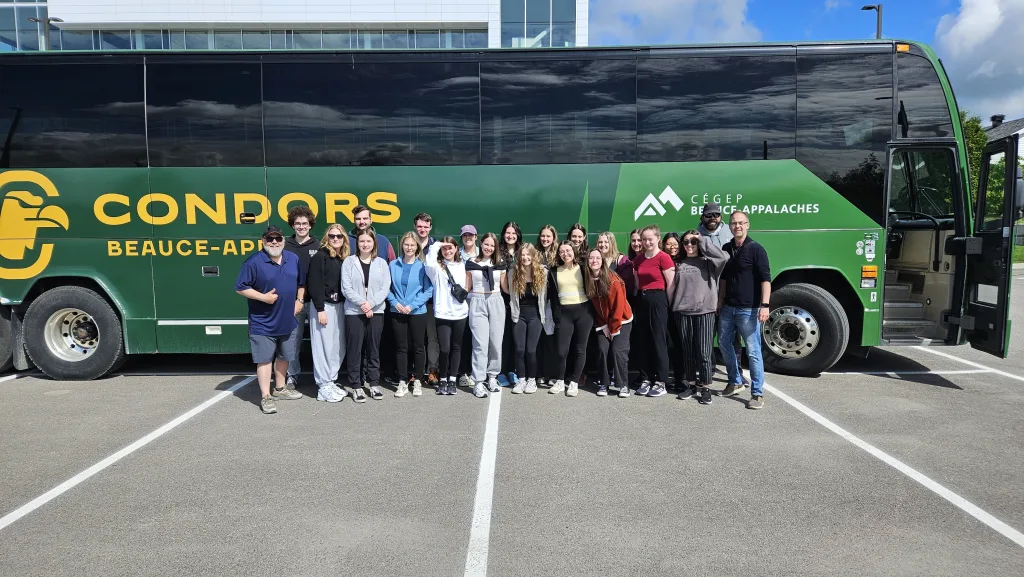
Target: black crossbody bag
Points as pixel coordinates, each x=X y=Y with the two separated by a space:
x=458 y=293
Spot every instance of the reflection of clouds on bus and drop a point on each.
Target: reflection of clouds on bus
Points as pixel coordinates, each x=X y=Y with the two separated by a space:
x=101 y=125
x=330 y=114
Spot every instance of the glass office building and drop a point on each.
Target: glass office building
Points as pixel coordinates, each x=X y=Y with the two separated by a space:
x=290 y=24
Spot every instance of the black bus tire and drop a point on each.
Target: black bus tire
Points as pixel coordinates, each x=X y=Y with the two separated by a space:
x=73 y=334
x=6 y=340
x=808 y=328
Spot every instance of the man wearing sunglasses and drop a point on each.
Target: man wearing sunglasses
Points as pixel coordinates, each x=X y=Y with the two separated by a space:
x=272 y=280
x=711 y=225
x=719 y=234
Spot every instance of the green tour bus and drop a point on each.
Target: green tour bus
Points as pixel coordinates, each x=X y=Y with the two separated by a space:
x=133 y=184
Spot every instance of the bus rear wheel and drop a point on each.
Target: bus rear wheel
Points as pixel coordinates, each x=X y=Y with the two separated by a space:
x=73 y=334
x=806 y=332
x=6 y=339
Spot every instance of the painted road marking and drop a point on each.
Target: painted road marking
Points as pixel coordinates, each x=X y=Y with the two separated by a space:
x=898 y=373
x=958 y=501
x=971 y=363
x=71 y=483
x=480 y=531
x=9 y=378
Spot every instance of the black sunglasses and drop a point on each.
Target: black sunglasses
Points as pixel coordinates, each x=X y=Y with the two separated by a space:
x=274 y=238
x=712 y=215
x=335 y=236
x=691 y=242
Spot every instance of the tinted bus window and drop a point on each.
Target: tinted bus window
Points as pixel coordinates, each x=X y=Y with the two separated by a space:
x=379 y=114
x=716 y=108
x=72 y=115
x=844 y=119
x=558 y=112
x=923 y=112
x=204 y=114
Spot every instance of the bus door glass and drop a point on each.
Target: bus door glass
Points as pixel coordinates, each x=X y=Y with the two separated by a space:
x=999 y=201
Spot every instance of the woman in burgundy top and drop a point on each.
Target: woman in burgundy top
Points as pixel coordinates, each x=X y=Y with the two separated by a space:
x=655 y=274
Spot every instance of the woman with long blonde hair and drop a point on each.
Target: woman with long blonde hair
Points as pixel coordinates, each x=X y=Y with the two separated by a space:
x=326 y=333
x=527 y=287
x=547 y=349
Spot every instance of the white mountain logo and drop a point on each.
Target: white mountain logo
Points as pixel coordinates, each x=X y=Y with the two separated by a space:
x=652 y=207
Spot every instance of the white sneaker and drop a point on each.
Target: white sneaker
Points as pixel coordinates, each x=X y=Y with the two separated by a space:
x=573 y=389
x=479 y=390
x=493 y=386
x=402 y=389
x=417 y=388
x=519 y=387
x=329 y=395
x=557 y=387
x=531 y=386
x=465 y=381
x=339 y=391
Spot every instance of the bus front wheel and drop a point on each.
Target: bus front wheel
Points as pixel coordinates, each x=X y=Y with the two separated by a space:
x=73 y=334
x=6 y=339
x=806 y=332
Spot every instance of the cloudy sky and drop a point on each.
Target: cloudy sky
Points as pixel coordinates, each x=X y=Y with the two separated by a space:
x=981 y=42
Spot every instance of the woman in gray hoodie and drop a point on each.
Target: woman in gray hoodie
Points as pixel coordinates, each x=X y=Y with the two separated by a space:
x=365 y=281
x=694 y=302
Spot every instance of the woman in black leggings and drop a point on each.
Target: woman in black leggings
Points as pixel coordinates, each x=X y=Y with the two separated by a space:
x=573 y=316
x=526 y=285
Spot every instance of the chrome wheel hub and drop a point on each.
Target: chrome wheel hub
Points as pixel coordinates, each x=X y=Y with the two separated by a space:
x=791 y=332
x=72 y=335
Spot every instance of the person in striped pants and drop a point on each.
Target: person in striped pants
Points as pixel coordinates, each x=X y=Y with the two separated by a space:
x=694 y=302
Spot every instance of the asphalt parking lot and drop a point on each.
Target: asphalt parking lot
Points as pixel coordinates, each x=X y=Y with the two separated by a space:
x=907 y=463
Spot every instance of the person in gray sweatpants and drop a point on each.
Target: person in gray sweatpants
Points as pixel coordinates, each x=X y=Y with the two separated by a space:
x=327 y=326
x=486 y=315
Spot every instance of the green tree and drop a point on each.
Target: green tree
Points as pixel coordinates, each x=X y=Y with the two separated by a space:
x=975 y=139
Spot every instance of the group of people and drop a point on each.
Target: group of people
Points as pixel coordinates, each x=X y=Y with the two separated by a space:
x=532 y=310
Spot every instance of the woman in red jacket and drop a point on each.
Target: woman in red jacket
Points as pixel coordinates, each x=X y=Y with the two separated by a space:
x=614 y=319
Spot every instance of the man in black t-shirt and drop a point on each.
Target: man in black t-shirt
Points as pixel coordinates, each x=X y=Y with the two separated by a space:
x=304 y=245
x=744 y=291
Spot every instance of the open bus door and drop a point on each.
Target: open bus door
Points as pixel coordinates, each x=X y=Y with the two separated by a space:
x=986 y=321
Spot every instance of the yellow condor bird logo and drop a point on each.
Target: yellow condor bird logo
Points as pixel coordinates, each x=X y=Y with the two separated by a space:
x=22 y=214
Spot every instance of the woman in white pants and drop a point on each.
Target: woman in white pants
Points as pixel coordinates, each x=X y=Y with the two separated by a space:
x=327 y=333
x=486 y=314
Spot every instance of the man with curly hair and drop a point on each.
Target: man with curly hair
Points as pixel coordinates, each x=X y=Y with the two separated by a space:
x=304 y=245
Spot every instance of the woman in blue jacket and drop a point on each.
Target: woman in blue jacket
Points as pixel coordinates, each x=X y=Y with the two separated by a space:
x=410 y=291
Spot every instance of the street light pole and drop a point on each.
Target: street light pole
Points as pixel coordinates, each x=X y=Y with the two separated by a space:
x=877 y=7
x=46 y=27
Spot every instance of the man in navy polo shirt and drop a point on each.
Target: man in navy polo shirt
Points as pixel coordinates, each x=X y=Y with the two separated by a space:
x=273 y=281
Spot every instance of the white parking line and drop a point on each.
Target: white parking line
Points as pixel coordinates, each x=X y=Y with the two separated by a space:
x=898 y=373
x=8 y=378
x=971 y=363
x=79 y=478
x=958 y=501
x=480 y=530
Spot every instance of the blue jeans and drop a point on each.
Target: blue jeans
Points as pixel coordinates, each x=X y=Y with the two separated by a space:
x=743 y=321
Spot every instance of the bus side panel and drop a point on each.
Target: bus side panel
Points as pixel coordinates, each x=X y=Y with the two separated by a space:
x=199 y=252
x=59 y=225
x=484 y=196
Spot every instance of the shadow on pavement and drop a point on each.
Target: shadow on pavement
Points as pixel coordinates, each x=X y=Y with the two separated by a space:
x=882 y=361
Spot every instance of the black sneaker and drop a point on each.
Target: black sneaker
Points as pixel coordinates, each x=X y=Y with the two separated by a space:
x=686 y=393
x=657 y=390
x=705 y=396
x=358 y=395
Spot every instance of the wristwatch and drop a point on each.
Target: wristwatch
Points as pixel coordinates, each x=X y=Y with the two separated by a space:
x=765 y=305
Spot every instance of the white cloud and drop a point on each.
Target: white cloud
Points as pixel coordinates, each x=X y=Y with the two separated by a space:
x=618 y=22
x=981 y=48
x=831 y=5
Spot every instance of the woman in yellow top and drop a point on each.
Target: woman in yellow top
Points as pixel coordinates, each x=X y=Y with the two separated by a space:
x=574 y=319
